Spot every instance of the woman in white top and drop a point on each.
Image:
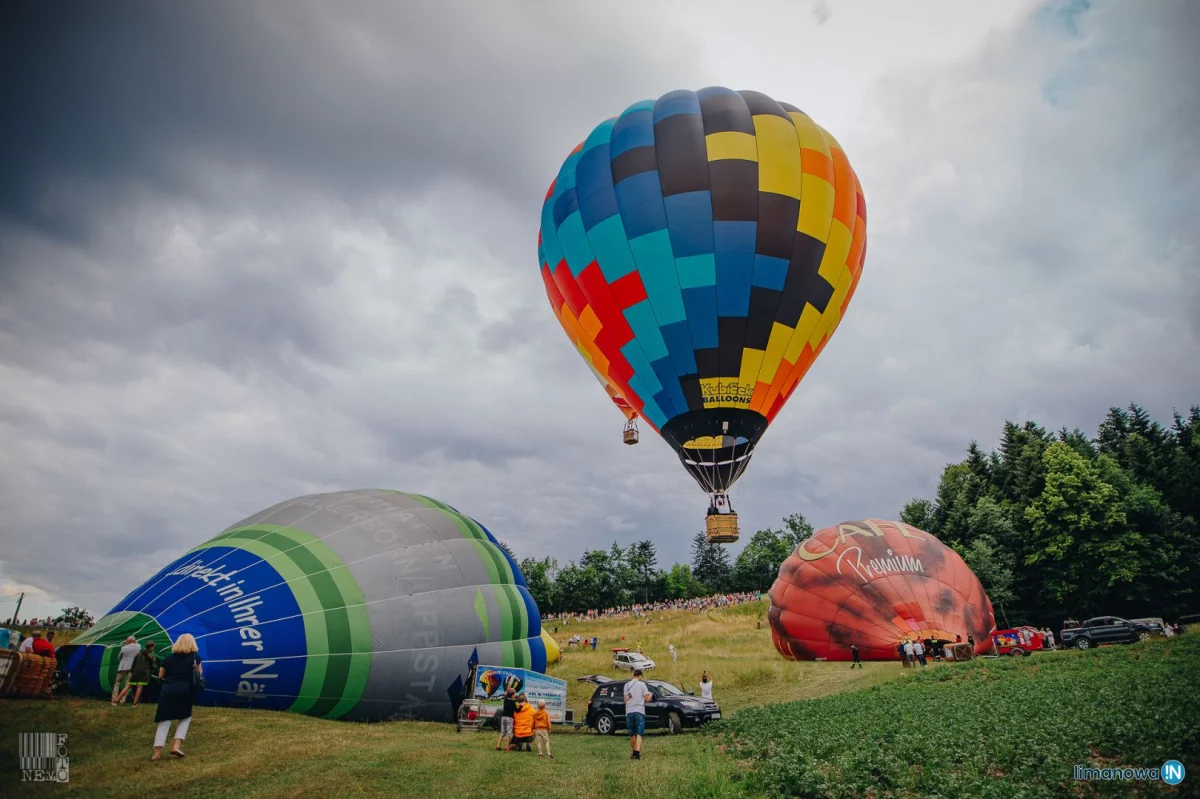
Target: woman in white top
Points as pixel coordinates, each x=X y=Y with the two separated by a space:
x=706 y=687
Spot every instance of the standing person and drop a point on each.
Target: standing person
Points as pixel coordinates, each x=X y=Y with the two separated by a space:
x=143 y=666
x=636 y=695
x=900 y=652
x=706 y=686
x=919 y=651
x=854 y=655
x=909 y=652
x=125 y=668
x=674 y=654
x=541 y=728
x=179 y=672
x=506 y=719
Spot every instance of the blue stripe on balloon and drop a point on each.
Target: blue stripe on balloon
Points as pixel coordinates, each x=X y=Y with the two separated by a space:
x=641 y=204
x=679 y=344
x=650 y=409
x=670 y=380
x=734 y=270
x=640 y=317
x=690 y=220
x=566 y=204
x=701 y=305
x=537 y=654
x=600 y=135
x=550 y=244
x=611 y=249
x=656 y=262
x=634 y=128
x=641 y=367
x=735 y=236
x=575 y=244
x=654 y=414
x=679 y=101
x=769 y=272
x=735 y=242
x=566 y=174
x=714 y=91
x=696 y=271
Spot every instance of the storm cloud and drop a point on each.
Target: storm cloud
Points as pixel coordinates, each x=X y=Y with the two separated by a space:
x=247 y=254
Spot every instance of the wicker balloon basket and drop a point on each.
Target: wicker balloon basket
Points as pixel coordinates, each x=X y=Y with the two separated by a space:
x=25 y=675
x=722 y=528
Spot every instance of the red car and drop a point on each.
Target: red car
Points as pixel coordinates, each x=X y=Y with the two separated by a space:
x=1018 y=641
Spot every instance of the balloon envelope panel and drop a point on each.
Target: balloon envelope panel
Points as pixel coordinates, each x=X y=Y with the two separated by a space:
x=362 y=605
x=873 y=583
x=699 y=250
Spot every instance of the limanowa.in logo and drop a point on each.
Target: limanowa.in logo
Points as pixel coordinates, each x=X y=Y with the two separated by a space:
x=1172 y=773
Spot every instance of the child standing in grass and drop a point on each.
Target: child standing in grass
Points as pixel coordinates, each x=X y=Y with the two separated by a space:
x=541 y=728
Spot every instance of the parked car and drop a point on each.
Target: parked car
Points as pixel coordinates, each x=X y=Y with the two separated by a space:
x=671 y=708
x=624 y=659
x=1017 y=641
x=1104 y=630
x=1187 y=621
x=1156 y=624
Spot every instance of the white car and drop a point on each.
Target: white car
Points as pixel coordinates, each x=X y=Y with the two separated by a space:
x=631 y=661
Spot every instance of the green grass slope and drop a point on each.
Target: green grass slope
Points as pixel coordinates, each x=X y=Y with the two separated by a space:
x=993 y=727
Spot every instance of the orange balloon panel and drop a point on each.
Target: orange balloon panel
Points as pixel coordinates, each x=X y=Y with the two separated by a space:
x=873 y=583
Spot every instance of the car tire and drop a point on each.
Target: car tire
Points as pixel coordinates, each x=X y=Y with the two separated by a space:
x=674 y=723
x=606 y=723
x=1144 y=636
x=1083 y=643
x=1017 y=652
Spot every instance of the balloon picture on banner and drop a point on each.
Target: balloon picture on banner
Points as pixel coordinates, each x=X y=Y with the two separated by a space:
x=361 y=605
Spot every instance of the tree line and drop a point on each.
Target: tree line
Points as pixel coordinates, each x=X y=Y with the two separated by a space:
x=1061 y=524
x=1055 y=525
x=616 y=577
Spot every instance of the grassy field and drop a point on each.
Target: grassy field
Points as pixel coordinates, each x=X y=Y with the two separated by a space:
x=264 y=754
x=743 y=665
x=992 y=727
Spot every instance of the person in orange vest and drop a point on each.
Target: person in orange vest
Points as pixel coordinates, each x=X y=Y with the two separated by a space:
x=522 y=725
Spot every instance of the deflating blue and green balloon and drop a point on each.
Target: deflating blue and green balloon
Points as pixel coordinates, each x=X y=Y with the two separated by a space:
x=359 y=605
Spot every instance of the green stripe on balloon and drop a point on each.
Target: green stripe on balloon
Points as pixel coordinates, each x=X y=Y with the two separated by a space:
x=336 y=621
x=430 y=501
x=112 y=630
x=481 y=612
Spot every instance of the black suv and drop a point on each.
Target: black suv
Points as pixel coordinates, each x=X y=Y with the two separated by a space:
x=1104 y=630
x=672 y=708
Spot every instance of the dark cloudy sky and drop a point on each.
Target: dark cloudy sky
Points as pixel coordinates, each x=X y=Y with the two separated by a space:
x=255 y=250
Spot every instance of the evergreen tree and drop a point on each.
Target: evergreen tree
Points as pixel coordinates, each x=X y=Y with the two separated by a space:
x=710 y=563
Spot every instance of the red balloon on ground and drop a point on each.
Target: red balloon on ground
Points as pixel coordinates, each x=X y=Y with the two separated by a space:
x=873 y=583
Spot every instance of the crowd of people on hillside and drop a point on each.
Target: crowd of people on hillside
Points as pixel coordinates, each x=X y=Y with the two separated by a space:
x=46 y=623
x=639 y=611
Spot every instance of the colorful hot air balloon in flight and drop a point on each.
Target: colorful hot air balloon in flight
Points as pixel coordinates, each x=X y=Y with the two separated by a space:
x=699 y=250
x=359 y=605
x=873 y=583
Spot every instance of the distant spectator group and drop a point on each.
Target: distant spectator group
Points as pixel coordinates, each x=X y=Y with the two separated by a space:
x=638 y=611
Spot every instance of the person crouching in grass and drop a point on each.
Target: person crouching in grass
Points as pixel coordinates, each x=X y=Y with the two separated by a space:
x=541 y=728
x=523 y=725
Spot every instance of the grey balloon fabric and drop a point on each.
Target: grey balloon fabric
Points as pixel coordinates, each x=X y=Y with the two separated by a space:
x=363 y=605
